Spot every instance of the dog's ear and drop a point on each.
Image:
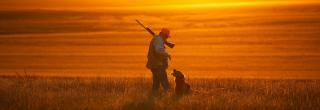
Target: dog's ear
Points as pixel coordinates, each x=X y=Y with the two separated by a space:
x=179 y=74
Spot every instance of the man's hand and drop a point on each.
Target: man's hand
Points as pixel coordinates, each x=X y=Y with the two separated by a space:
x=171 y=45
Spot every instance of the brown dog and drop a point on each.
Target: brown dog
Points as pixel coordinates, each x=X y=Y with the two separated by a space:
x=181 y=86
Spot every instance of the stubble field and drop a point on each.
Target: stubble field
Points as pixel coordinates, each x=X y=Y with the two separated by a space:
x=83 y=93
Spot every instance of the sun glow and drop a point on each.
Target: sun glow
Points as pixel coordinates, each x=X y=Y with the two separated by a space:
x=214 y=5
x=136 y=4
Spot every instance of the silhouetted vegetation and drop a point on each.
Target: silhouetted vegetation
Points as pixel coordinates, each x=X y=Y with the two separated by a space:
x=43 y=93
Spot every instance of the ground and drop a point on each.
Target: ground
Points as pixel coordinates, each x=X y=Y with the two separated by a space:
x=88 y=93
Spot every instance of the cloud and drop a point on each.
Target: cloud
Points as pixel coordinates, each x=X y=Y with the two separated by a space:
x=67 y=21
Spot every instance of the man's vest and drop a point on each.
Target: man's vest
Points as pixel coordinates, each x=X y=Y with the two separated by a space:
x=156 y=60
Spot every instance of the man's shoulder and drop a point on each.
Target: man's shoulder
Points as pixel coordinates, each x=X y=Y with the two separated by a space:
x=157 y=37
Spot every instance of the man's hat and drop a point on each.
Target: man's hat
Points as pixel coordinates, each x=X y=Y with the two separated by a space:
x=165 y=31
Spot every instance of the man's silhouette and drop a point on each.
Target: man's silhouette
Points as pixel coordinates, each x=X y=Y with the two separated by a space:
x=158 y=61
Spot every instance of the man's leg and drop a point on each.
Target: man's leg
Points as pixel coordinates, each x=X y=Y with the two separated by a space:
x=156 y=81
x=164 y=79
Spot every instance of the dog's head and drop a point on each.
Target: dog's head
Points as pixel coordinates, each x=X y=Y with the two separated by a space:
x=177 y=74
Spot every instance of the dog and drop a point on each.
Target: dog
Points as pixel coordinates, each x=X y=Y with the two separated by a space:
x=181 y=86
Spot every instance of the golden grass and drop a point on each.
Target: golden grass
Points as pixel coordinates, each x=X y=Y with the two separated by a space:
x=67 y=93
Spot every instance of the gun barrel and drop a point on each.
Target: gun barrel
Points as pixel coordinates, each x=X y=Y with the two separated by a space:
x=140 y=24
x=171 y=45
x=146 y=28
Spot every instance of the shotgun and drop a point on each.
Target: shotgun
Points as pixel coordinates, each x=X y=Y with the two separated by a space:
x=171 y=45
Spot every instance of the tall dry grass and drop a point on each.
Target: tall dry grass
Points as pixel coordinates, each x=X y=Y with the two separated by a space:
x=66 y=93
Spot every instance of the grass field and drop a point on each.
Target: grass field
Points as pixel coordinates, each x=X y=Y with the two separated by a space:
x=79 y=93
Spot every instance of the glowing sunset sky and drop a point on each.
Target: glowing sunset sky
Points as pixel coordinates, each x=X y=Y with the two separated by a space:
x=16 y=4
x=215 y=38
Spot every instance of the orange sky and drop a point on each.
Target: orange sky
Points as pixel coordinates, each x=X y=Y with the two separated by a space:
x=254 y=40
x=16 y=4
